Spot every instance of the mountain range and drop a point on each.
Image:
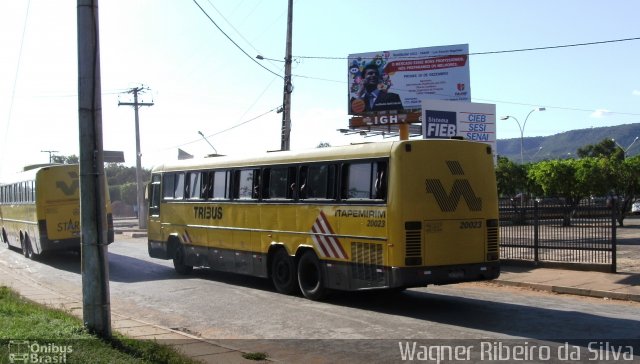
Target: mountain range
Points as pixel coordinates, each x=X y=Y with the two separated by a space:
x=565 y=145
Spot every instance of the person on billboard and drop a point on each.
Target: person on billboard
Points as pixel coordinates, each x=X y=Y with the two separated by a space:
x=373 y=94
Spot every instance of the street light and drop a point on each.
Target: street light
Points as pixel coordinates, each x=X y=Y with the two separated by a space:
x=207 y=140
x=624 y=151
x=535 y=154
x=521 y=127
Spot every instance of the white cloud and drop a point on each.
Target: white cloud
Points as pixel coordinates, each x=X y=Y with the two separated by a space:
x=599 y=113
x=635 y=92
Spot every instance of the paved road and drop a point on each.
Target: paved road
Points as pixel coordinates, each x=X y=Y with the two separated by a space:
x=628 y=238
x=222 y=306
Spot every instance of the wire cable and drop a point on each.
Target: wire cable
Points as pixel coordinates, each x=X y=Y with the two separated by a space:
x=15 y=82
x=227 y=129
x=503 y=51
x=234 y=43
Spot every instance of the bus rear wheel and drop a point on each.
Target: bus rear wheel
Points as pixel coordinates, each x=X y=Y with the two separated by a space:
x=5 y=241
x=179 y=262
x=27 y=249
x=283 y=272
x=310 y=277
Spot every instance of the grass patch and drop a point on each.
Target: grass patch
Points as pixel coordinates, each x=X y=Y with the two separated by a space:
x=63 y=336
x=255 y=356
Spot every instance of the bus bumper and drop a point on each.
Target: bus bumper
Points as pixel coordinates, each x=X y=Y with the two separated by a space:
x=353 y=277
x=422 y=276
x=58 y=245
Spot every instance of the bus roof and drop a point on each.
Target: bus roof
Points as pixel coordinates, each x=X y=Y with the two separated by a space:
x=30 y=172
x=354 y=151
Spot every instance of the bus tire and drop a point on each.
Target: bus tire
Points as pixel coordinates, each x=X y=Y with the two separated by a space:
x=310 y=277
x=179 y=264
x=5 y=241
x=27 y=249
x=283 y=272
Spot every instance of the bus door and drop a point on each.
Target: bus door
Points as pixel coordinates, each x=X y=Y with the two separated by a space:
x=154 y=197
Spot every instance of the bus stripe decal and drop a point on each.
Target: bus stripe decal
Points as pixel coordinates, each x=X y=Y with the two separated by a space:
x=186 y=238
x=328 y=241
x=324 y=243
x=341 y=253
x=325 y=239
x=318 y=243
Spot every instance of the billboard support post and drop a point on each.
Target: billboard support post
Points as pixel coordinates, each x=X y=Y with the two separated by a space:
x=404 y=131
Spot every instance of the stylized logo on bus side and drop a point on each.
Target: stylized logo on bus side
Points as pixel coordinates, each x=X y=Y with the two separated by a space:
x=66 y=189
x=448 y=202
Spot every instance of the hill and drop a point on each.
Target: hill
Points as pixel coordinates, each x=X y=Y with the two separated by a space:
x=565 y=145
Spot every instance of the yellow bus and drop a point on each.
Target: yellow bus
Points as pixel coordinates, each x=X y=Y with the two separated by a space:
x=40 y=210
x=369 y=216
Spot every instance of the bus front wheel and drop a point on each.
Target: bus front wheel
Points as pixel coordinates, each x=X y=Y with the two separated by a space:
x=310 y=277
x=283 y=272
x=179 y=262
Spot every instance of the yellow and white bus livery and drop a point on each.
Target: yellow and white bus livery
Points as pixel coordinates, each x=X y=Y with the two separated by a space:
x=367 y=216
x=40 y=210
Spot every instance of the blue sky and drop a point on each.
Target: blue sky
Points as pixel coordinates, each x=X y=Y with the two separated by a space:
x=199 y=81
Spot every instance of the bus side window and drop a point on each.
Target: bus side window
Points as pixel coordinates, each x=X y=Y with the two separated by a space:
x=356 y=181
x=220 y=184
x=168 y=181
x=280 y=183
x=380 y=181
x=320 y=181
x=206 y=185
x=179 y=186
x=194 y=182
x=154 y=198
x=255 y=194
x=247 y=184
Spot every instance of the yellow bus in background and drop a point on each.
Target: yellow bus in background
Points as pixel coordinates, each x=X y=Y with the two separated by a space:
x=40 y=210
x=385 y=215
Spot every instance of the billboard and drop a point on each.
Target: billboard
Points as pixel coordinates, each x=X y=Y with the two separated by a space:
x=470 y=120
x=400 y=79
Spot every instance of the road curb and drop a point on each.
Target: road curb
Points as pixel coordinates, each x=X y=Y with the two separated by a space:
x=572 y=290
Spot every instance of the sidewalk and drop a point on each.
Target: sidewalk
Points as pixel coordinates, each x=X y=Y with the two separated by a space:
x=620 y=286
x=192 y=346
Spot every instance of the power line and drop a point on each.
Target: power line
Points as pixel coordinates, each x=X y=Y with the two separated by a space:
x=229 y=128
x=232 y=41
x=502 y=51
x=232 y=27
x=15 y=80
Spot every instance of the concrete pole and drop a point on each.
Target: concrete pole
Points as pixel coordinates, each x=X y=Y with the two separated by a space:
x=142 y=211
x=285 y=143
x=142 y=216
x=96 y=307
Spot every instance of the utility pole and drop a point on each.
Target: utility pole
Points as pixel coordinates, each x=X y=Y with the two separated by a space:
x=50 y=154
x=96 y=307
x=142 y=212
x=288 y=87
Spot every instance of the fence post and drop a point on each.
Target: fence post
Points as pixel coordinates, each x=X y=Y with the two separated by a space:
x=614 y=239
x=536 y=227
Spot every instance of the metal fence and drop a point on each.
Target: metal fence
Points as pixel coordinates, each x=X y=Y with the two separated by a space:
x=548 y=232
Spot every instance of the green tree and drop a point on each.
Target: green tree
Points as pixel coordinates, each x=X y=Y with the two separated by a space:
x=624 y=184
x=117 y=174
x=607 y=148
x=61 y=159
x=128 y=193
x=559 y=178
x=511 y=177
